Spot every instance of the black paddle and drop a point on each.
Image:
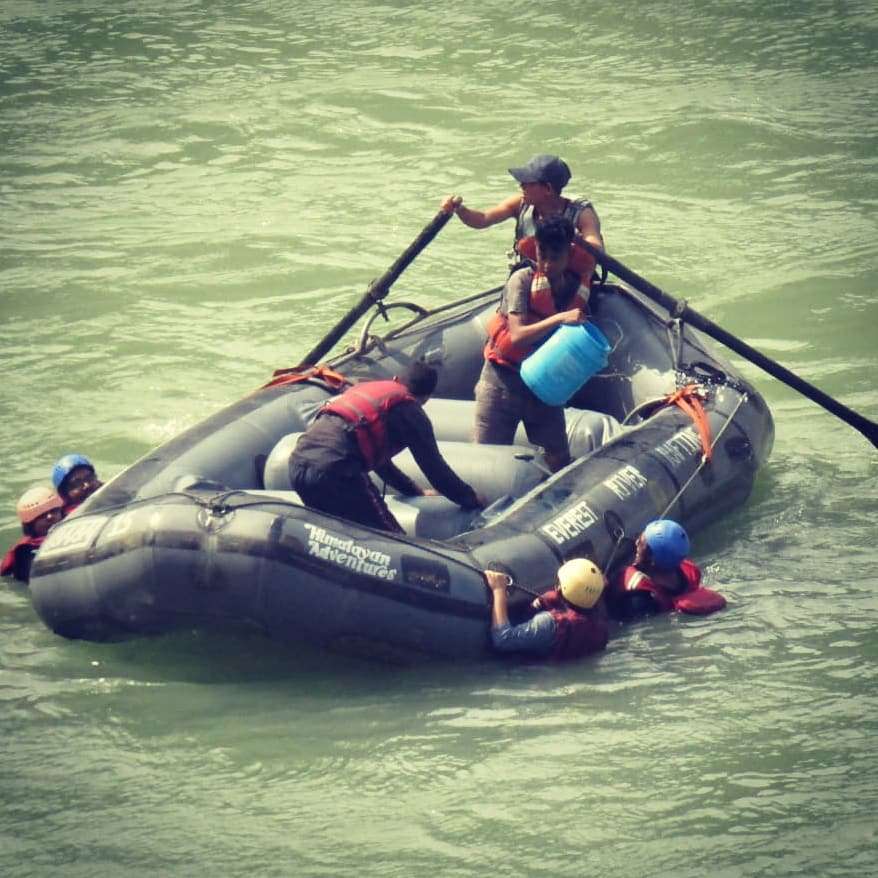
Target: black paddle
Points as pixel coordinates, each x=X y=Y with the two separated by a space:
x=682 y=310
x=379 y=288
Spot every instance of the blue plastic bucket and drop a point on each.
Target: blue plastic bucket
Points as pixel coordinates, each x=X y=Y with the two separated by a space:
x=561 y=365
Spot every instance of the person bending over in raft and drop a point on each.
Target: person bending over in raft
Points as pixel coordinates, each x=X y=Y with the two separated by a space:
x=360 y=431
x=75 y=480
x=38 y=509
x=662 y=579
x=569 y=623
x=534 y=303
x=541 y=181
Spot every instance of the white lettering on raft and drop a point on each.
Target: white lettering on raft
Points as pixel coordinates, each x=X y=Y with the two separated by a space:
x=72 y=535
x=627 y=482
x=676 y=449
x=576 y=520
x=346 y=553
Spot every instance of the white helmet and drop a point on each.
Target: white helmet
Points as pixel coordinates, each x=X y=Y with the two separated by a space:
x=581 y=582
x=35 y=502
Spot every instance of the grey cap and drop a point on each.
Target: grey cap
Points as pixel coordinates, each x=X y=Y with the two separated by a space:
x=543 y=169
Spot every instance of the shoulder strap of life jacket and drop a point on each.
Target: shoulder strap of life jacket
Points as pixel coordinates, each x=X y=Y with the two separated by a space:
x=525 y=222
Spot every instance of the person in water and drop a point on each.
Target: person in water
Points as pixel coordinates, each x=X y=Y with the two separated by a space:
x=541 y=181
x=569 y=622
x=535 y=302
x=75 y=480
x=360 y=431
x=662 y=578
x=38 y=509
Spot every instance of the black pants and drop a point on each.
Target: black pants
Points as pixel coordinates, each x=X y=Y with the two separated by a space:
x=348 y=493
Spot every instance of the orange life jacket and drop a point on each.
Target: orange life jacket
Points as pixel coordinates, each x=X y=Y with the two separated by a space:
x=541 y=304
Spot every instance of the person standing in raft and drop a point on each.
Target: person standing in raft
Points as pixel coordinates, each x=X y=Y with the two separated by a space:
x=569 y=623
x=662 y=579
x=38 y=509
x=75 y=480
x=360 y=431
x=534 y=303
x=541 y=180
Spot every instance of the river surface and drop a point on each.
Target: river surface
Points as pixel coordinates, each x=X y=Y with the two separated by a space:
x=191 y=192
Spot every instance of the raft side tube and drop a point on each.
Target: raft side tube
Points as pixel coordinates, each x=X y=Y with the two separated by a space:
x=227 y=447
x=595 y=504
x=175 y=563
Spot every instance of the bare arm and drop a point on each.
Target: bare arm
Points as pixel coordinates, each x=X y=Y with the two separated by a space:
x=588 y=226
x=481 y=219
x=498 y=583
x=536 y=636
x=523 y=333
x=525 y=329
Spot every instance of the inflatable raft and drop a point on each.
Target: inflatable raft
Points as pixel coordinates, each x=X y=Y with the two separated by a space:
x=205 y=531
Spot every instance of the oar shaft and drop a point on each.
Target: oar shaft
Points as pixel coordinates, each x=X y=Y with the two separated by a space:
x=680 y=309
x=378 y=289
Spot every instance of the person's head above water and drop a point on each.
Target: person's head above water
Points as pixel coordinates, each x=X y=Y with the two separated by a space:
x=38 y=509
x=663 y=544
x=581 y=583
x=74 y=478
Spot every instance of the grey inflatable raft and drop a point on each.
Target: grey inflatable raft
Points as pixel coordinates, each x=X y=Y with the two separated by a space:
x=206 y=532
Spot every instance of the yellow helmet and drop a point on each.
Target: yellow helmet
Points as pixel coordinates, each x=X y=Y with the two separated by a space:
x=581 y=582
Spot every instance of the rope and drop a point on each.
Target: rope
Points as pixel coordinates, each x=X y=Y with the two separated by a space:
x=689 y=400
x=335 y=380
x=608 y=566
x=705 y=457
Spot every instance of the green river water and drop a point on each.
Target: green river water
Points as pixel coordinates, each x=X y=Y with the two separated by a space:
x=191 y=192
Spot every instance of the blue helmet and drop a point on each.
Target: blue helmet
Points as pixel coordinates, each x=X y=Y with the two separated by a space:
x=65 y=465
x=668 y=543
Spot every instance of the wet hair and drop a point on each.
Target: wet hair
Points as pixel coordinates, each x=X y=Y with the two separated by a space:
x=555 y=234
x=420 y=379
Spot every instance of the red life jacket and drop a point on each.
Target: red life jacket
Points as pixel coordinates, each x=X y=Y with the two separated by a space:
x=500 y=348
x=365 y=406
x=695 y=598
x=10 y=563
x=577 y=634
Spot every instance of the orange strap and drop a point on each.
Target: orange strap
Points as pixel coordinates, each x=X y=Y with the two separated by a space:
x=688 y=399
x=320 y=372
